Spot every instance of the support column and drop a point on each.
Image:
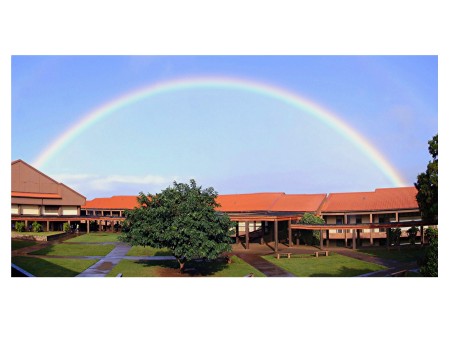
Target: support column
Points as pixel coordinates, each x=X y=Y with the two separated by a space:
x=276 y=236
x=354 y=246
x=321 y=239
x=327 y=238
x=388 y=238
x=237 y=236
x=290 y=241
x=88 y=226
x=371 y=230
x=263 y=232
x=247 y=234
x=359 y=241
x=421 y=229
x=48 y=225
x=345 y=221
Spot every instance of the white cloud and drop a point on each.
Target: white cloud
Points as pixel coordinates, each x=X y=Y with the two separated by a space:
x=92 y=185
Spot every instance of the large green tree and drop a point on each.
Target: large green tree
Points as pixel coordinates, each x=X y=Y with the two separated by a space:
x=311 y=237
x=183 y=218
x=427 y=185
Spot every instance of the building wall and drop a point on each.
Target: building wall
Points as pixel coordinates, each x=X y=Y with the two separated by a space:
x=31 y=210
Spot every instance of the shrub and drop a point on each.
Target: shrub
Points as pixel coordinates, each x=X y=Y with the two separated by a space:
x=429 y=266
x=20 y=227
x=394 y=234
x=36 y=227
x=66 y=227
x=412 y=234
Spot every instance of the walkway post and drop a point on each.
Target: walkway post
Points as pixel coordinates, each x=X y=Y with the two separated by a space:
x=247 y=235
x=276 y=236
x=88 y=226
x=327 y=238
x=290 y=243
x=237 y=238
x=321 y=239
x=354 y=246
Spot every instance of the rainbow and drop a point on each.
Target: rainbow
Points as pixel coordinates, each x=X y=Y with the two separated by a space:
x=267 y=90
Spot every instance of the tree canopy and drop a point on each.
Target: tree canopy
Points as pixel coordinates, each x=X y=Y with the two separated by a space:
x=309 y=218
x=182 y=218
x=427 y=185
x=311 y=237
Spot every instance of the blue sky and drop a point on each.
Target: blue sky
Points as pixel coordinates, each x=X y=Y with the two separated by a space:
x=236 y=141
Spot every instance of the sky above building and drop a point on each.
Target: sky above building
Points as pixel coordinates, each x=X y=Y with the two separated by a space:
x=118 y=125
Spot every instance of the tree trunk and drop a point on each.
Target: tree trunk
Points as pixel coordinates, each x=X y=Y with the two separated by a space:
x=181 y=265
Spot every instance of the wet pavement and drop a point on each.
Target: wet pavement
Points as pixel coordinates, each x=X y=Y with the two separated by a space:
x=264 y=266
x=105 y=265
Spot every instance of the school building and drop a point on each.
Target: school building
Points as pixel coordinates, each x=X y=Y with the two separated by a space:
x=351 y=219
x=35 y=197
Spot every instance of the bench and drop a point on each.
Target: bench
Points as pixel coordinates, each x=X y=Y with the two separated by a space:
x=279 y=255
x=325 y=253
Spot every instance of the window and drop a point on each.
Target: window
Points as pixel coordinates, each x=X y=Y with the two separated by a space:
x=339 y=220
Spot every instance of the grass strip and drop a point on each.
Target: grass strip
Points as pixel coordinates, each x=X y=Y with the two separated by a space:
x=53 y=267
x=335 y=265
x=17 y=244
x=162 y=268
x=75 y=250
x=95 y=237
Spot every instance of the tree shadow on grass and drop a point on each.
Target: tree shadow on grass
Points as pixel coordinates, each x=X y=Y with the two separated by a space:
x=345 y=271
x=193 y=268
x=44 y=251
x=163 y=252
x=42 y=268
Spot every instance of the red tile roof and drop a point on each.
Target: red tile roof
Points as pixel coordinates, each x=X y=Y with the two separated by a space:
x=298 y=202
x=279 y=202
x=247 y=202
x=379 y=200
x=36 y=195
x=113 y=203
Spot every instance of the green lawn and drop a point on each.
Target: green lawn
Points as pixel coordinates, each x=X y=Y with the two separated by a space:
x=334 y=265
x=155 y=268
x=148 y=251
x=75 y=250
x=17 y=244
x=42 y=233
x=96 y=237
x=404 y=255
x=53 y=267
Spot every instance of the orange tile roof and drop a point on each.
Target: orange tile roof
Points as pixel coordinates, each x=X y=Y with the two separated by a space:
x=298 y=202
x=113 y=203
x=247 y=202
x=379 y=200
x=279 y=202
x=36 y=195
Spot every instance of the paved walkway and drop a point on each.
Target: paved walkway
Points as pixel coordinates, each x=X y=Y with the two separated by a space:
x=264 y=266
x=105 y=265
